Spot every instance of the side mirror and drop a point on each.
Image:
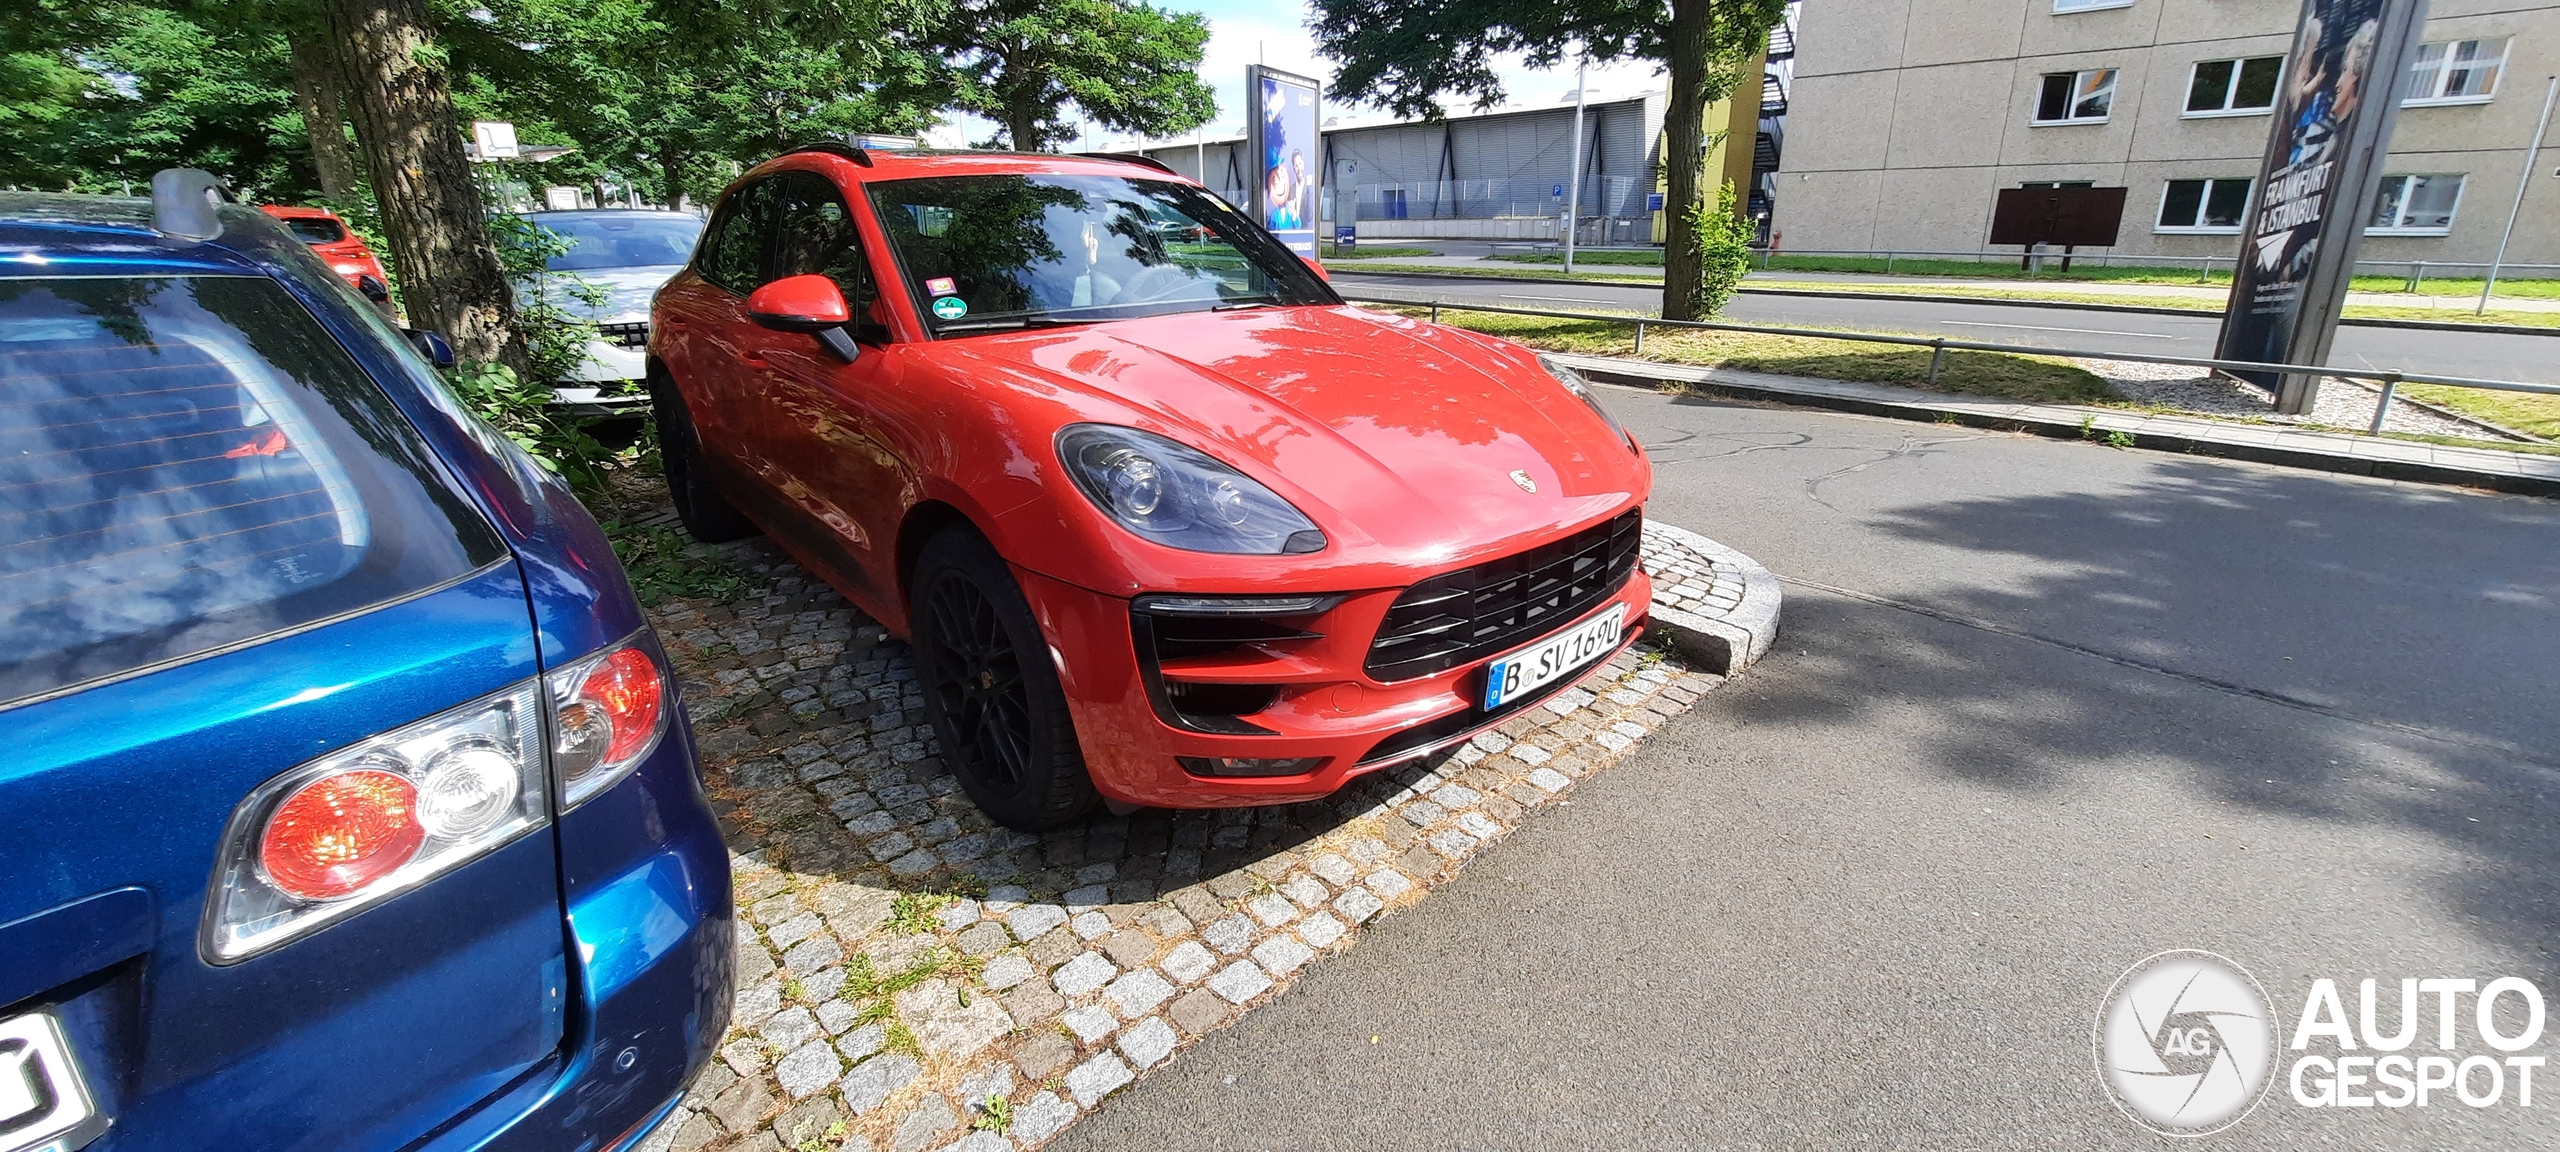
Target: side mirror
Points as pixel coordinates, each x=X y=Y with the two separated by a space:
x=810 y=303
x=1316 y=268
x=430 y=346
x=373 y=289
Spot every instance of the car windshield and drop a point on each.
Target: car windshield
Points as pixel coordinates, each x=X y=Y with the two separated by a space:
x=995 y=252
x=191 y=462
x=315 y=229
x=620 y=239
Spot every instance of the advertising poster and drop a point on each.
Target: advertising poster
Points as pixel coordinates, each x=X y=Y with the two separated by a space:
x=2332 y=125
x=1281 y=135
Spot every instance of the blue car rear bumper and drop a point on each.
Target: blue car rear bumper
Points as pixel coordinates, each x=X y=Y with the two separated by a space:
x=652 y=949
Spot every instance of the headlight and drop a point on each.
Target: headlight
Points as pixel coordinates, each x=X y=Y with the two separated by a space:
x=1574 y=383
x=1180 y=497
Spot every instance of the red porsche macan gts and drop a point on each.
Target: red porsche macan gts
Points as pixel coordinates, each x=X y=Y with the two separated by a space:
x=1166 y=522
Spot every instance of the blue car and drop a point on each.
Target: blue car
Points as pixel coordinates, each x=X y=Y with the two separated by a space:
x=346 y=801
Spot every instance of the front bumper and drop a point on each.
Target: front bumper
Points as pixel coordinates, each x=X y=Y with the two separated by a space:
x=1328 y=708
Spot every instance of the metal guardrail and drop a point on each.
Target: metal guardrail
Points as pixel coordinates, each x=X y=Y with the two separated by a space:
x=2389 y=379
x=2411 y=271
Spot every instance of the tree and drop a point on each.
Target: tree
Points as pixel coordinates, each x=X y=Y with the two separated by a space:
x=94 y=95
x=321 y=97
x=1124 y=64
x=397 y=94
x=670 y=91
x=1407 y=54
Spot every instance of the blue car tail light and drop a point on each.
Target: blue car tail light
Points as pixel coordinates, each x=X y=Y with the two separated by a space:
x=381 y=816
x=609 y=712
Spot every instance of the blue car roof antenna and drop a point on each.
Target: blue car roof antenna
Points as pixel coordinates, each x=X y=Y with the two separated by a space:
x=182 y=203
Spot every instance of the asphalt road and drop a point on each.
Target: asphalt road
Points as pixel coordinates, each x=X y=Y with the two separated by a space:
x=2037 y=710
x=2492 y=356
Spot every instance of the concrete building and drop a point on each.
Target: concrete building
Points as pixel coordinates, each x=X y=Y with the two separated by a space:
x=1906 y=116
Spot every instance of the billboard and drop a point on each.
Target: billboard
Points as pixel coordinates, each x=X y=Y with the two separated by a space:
x=2316 y=186
x=2083 y=217
x=1280 y=134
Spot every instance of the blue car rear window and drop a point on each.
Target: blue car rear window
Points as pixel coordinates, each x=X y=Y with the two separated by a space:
x=190 y=463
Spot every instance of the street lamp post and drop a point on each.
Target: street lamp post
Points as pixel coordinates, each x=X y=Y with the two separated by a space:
x=1573 y=180
x=2532 y=152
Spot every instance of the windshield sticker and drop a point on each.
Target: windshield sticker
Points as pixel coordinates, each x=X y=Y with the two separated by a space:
x=950 y=307
x=942 y=286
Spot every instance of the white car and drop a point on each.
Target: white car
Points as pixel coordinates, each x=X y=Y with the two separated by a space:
x=628 y=253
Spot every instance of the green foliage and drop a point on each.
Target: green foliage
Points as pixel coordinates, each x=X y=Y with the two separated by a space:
x=519 y=410
x=917 y=911
x=94 y=94
x=551 y=307
x=661 y=567
x=1124 y=64
x=1721 y=239
x=995 y=1114
x=1405 y=55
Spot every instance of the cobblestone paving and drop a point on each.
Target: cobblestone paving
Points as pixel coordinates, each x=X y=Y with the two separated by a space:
x=912 y=977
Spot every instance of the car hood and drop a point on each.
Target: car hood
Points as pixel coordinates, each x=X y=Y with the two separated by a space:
x=627 y=291
x=1386 y=430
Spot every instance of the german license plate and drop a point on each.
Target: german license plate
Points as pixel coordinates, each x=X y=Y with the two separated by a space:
x=43 y=1104
x=1545 y=662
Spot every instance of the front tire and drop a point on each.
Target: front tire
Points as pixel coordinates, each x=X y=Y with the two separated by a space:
x=707 y=515
x=990 y=690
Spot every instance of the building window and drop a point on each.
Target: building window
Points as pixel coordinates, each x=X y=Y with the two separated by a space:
x=2215 y=205
x=2416 y=205
x=2062 y=6
x=2233 y=87
x=2076 y=97
x=2456 y=72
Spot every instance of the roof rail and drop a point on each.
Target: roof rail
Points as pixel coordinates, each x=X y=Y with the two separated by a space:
x=852 y=152
x=182 y=203
x=1144 y=161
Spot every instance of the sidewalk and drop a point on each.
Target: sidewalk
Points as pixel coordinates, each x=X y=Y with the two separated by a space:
x=2377 y=456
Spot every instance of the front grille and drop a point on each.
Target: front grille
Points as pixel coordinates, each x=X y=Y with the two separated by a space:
x=1405 y=744
x=1472 y=613
x=632 y=335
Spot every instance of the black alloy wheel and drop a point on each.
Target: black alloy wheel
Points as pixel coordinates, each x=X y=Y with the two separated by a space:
x=990 y=691
x=707 y=515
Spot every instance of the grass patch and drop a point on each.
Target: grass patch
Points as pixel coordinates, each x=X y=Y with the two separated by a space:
x=661 y=566
x=2468 y=288
x=2526 y=412
x=1493 y=272
x=917 y=911
x=2181 y=303
x=1647 y=258
x=2040 y=379
x=1370 y=252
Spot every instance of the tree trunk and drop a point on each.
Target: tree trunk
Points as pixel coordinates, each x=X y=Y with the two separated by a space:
x=1684 y=146
x=450 y=278
x=671 y=169
x=1022 y=128
x=322 y=100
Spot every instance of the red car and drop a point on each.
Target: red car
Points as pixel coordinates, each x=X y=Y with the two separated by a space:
x=1166 y=522
x=336 y=246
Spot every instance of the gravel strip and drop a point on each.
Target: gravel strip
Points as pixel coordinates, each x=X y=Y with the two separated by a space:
x=2343 y=405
